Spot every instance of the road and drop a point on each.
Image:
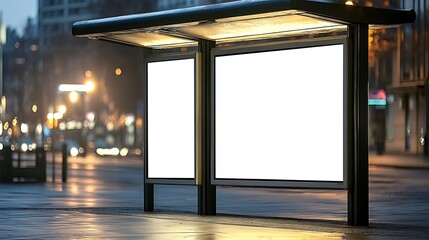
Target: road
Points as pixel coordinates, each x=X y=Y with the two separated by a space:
x=397 y=196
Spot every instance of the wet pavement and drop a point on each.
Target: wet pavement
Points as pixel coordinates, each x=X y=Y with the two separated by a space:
x=116 y=223
x=102 y=199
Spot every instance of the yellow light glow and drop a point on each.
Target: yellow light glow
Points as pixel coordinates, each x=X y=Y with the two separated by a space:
x=34 y=108
x=75 y=166
x=89 y=86
x=62 y=109
x=34 y=47
x=73 y=96
x=50 y=116
x=153 y=40
x=349 y=2
x=55 y=116
x=260 y=26
x=74 y=188
x=118 y=71
x=90 y=188
x=243 y=28
x=88 y=73
x=14 y=121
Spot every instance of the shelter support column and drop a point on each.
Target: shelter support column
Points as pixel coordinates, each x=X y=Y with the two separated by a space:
x=206 y=191
x=148 y=194
x=426 y=143
x=358 y=195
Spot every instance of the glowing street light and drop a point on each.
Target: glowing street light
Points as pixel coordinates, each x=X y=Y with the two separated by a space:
x=73 y=96
x=80 y=88
x=89 y=86
x=62 y=109
x=118 y=71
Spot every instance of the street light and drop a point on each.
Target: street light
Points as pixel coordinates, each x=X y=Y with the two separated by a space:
x=62 y=109
x=73 y=96
x=89 y=86
x=80 y=88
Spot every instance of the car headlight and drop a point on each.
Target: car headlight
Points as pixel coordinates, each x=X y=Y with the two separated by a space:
x=24 y=147
x=74 y=152
x=124 y=152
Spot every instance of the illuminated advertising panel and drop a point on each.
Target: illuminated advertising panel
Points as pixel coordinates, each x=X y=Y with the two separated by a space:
x=171 y=119
x=279 y=116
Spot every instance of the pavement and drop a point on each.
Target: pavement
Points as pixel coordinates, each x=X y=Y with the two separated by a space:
x=87 y=217
x=401 y=160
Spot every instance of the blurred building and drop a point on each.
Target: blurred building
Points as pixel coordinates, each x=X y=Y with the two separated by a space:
x=398 y=80
x=57 y=16
x=20 y=70
x=407 y=120
x=116 y=73
x=174 y=4
x=2 y=41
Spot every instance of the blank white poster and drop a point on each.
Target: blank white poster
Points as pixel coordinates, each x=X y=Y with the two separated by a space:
x=279 y=115
x=171 y=127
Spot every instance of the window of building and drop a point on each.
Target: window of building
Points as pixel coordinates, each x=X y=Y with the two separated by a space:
x=52 y=28
x=74 y=11
x=77 y=11
x=52 y=2
x=76 y=1
x=53 y=13
x=414 y=36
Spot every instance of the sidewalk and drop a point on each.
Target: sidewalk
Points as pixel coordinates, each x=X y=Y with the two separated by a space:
x=103 y=197
x=116 y=223
x=408 y=161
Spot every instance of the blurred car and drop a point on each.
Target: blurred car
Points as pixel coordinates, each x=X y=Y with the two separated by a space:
x=74 y=149
x=103 y=148
x=4 y=141
x=24 y=144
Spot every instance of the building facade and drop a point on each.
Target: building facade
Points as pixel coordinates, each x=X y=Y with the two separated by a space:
x=57 y=16
x=398 y=68
x=407 y=121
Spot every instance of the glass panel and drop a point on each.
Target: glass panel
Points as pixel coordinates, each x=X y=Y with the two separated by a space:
x=279 y=115
x=150 y=40
x=259 y=27
x=243 y=28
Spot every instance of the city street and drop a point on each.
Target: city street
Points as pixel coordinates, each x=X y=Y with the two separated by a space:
x=397 y=195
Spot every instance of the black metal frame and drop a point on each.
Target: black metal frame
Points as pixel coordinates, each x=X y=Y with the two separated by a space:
x=358 y=193
x=347 y=113
x=161 y=58
x=206 y=191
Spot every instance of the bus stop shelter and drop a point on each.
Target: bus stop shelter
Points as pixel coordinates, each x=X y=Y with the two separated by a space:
x=261 y=93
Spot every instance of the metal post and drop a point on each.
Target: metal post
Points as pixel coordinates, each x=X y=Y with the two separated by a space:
x=6 y=166
x=206 y=191
x=53 y=144
x=358 y=196
x=426 y=143
x=148 y=195
x=41 y=164
x=64 y=163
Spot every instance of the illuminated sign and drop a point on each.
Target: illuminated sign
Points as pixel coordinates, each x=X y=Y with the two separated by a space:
x=274 y=114
x=171 y=119
x=377 y=98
